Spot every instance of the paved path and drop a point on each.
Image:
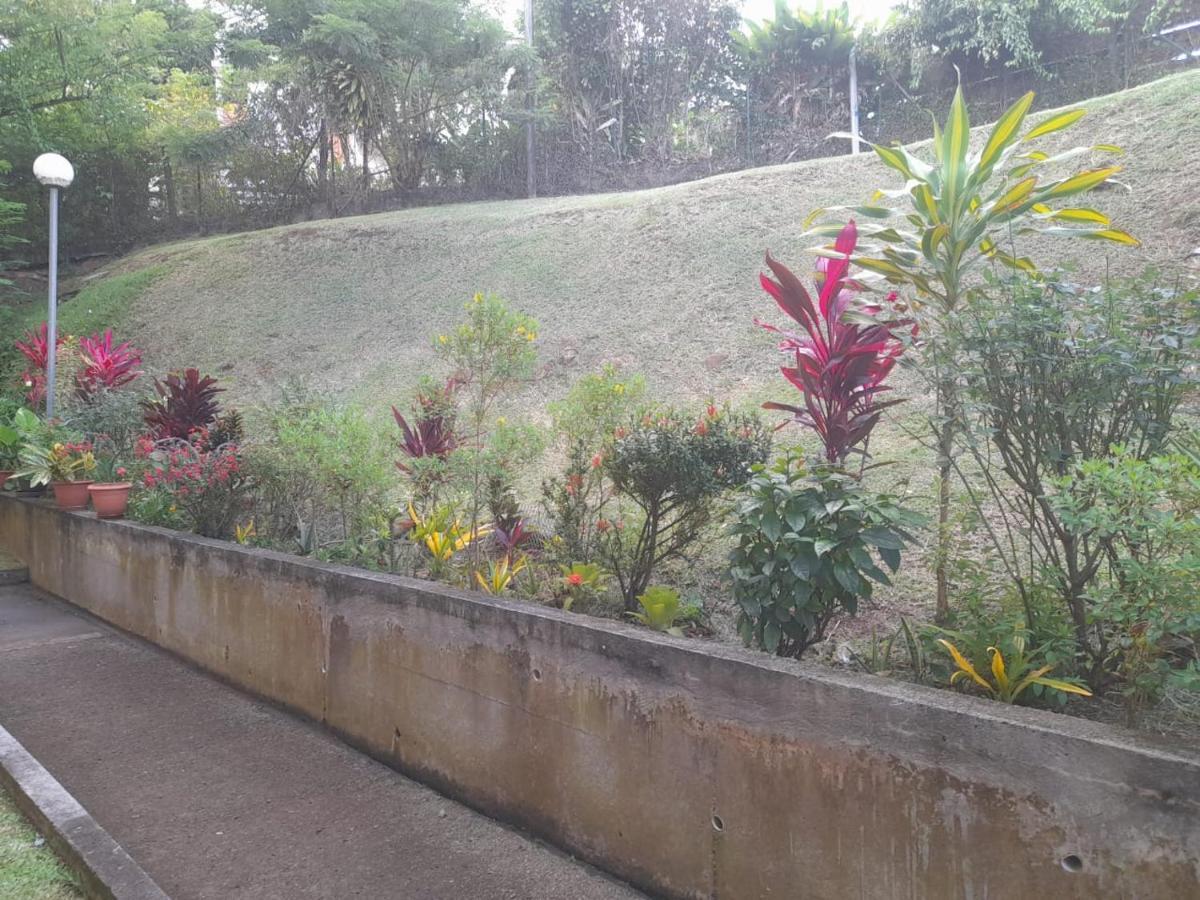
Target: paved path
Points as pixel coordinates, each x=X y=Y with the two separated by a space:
x=217 y=795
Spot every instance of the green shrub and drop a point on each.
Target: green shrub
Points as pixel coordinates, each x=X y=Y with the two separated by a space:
x=322 y=472
x=673 y=471
x=1055 y=374
x=1144 y=608
x=807 y=544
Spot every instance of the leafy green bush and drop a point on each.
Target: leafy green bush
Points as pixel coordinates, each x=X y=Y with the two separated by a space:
x=322 y=473
x=673 y=470
x=807 y=544
x=1055 y=374
x=1144 y=608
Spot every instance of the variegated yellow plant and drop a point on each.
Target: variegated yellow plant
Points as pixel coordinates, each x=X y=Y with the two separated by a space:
x=1008 y=682
x=500 y=573
x=955 y=213
x=442 y=534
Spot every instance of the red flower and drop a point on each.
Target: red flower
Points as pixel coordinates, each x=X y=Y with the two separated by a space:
x=574 y=579
x=597 y=461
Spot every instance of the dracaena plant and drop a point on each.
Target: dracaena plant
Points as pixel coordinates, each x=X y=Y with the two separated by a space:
x=841 y=360
x=105 y=366
x=959 y=211
x=184 y=402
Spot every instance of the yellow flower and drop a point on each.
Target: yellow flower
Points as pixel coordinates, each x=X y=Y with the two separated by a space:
x=443 y=339
x=618 y=388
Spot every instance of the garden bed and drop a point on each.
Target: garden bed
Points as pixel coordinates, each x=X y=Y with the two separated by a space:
x=691 y=769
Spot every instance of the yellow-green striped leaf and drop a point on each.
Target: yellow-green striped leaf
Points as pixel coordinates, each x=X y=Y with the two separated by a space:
x=1081 y=215
x=1014 y=195
x=894 y=160
x=1056 y=123
x=1084 y=181
x=1004 y=132
x=955 y=139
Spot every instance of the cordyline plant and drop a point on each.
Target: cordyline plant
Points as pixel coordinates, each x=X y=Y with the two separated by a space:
x=105 y=367
x=841 y=360
x=185 y=402
x=958 y=212
x=34 y=349
x=432 y=431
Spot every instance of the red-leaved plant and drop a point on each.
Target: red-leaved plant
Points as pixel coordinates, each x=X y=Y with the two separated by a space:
x=105 y=367
x=33 y=348
x=432 y=431
x=186 y=402
x=841 y=361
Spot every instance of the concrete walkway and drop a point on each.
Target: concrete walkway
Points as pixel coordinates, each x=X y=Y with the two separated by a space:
x=217 y=795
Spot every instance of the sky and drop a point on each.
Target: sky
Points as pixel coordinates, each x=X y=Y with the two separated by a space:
x=755 y=10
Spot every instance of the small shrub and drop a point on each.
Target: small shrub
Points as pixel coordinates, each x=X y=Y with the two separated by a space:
x=807 y=544
x=204 y=485
x=1009 y=675
x=580 y=582
x=1055 y=374
x=674 y=470
x=660 y=609
x=1144 y=609
x=184 y=401
x=596 y=405
x=322 y=474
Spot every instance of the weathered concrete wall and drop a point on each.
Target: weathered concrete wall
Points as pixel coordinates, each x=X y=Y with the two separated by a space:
x=691 y=770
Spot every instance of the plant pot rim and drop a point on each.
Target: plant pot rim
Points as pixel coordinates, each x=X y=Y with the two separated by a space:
x=109 y=485
x=80 y=482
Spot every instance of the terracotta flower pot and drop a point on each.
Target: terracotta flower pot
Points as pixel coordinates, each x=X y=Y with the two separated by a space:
x=110 y=499
x=70 y=494
x=5 y=474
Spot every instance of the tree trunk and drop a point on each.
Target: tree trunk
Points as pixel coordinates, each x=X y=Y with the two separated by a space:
x=947 y=403
x=323 y=164
x=169 y=192
x=199 y=202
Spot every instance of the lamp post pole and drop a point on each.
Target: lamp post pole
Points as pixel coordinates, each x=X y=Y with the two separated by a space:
x=54 y=172
x=52 y=318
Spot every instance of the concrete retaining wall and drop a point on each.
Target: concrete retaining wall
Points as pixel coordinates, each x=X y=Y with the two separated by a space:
x=692 y=770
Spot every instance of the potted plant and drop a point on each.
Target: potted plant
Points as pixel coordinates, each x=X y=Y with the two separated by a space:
x=64 y=466
x=110 y=490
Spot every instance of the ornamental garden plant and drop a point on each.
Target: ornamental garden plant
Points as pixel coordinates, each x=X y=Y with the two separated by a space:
x=1062 y=435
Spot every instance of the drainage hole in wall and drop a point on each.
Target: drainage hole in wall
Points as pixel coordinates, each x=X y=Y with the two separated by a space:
x=718 y=825
x=1072 y=863
x=537 y=674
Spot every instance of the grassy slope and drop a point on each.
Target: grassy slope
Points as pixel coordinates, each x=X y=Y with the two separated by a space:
x=661 y=280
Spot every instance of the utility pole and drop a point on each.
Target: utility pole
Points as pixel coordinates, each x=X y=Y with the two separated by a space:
x=854 y=148
x=530 y=165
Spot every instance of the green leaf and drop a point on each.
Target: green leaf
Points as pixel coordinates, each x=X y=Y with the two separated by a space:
x=1078 y=184
x=823 y=546
x=955 y=140
x=771 y=635
x=883 y=538
x=1003 y=134
x=891 y=558
x=1055 y=123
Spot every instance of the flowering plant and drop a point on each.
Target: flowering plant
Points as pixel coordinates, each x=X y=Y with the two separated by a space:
x=204 y=483
x=581 y=580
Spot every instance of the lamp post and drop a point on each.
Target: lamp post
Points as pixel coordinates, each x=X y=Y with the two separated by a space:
x=54 y=172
